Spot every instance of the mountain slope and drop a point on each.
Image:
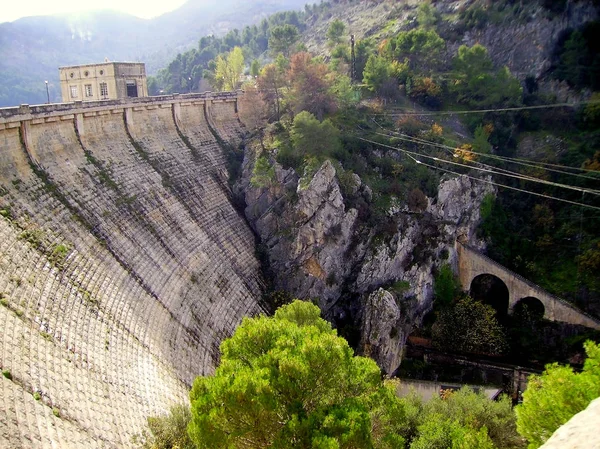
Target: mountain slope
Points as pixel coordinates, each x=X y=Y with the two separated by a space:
x=32 y=48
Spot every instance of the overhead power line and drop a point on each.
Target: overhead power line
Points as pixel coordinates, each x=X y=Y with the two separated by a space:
x=410 y=154
x=516 y=161
x=482 y=111
x=491 y=170
x=510 y=187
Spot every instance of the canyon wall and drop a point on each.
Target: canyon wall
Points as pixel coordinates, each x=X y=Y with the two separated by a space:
x=123 y=263
x=373 y=289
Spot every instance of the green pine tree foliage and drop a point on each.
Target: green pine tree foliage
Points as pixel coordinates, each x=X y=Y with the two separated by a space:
x=477 y=84
x=380 y=73
x=552 y=398
x=263 y=174
x=335 y=32
x=282 y=38
x=421 y=49
x=169 y=431
x=446 y=286
x=290 y=382
x=464 y=419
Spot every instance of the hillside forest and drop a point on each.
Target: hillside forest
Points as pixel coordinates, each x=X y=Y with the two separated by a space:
x=403 y=102
x=409 y=103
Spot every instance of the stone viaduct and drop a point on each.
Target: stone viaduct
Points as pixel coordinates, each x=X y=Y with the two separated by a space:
x=472 y=263
x=123 y=263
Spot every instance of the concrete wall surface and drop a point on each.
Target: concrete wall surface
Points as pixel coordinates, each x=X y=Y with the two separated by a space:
x=123 y=264
x=427 y=389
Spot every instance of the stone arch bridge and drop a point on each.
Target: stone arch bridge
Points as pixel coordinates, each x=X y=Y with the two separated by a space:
x=472 y=263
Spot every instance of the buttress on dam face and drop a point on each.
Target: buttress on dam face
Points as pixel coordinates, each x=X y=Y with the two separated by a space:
x=123 y=263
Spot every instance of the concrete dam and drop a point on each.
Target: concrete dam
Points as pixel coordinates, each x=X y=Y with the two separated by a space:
x=123 y=263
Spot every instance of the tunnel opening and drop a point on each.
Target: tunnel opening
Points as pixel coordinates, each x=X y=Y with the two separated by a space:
x=491 y=290
x=530 y=307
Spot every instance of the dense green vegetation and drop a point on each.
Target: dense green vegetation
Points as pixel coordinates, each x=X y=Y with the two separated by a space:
x=278 y=31
x=411 y=65
x=306 y=109
x=290 y=381
x=554 y=397
x=469 y=326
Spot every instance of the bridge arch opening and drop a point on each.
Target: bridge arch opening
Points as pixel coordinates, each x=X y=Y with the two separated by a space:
x=491 y=290
x=531 y=307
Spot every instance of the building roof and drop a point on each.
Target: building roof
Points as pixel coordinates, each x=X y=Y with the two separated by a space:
x=99 y=63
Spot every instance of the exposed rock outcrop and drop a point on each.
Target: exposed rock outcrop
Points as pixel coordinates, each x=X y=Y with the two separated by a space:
x=525 y=43
x=382 y=338
x=318 y=248
x=580 y=432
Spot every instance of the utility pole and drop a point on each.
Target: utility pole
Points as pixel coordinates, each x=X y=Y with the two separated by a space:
x=47 y=93
x=353 y=63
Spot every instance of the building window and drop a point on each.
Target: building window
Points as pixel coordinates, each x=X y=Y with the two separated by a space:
x=131 y=88
x=104 y=90
x=101 y=72
x=74 y=91
x=86 y=73
x=88 y=90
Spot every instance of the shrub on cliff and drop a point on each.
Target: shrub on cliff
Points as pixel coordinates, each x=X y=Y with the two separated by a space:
x=168 y=431
x=310 y=137
x=466 y=419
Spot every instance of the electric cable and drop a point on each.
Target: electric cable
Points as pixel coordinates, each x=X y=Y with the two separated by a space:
x=507 y=187
x=416 y=140
x=482 y=111
x=517 y=161
x=481 y=180
x=491 y=171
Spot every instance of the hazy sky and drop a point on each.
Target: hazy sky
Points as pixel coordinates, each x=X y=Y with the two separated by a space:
x=15 y=9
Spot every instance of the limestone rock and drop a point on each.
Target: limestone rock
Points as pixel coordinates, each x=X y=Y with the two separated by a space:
x=306 y=239
x=382 y=339
x=526 y=46
x=457 y=206
x=580 y=432
x=316 y=250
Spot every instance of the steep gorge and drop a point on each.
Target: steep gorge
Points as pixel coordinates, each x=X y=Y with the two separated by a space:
x=375 y=288
x=123 y=264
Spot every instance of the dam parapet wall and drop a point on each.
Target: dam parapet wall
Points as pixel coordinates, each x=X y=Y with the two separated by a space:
x=56 y=110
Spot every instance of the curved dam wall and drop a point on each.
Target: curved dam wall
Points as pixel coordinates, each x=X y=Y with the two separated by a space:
x=123 y=264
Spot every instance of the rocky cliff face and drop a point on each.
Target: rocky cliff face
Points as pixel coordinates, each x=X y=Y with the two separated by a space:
x=317 y=248
x=525 y=43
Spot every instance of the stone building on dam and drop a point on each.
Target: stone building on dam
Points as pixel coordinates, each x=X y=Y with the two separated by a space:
x=105 y=81
x=123 y=263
